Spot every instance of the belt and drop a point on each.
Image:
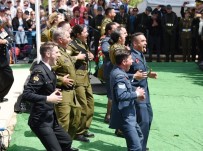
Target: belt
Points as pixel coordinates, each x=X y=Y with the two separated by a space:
x=67 y=88
x=168 y=24
x=186 y=30
x=82 y=67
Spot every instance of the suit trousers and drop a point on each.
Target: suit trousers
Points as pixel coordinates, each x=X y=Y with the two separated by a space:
x=144 y=119
x=7 y=79
x=53 y=139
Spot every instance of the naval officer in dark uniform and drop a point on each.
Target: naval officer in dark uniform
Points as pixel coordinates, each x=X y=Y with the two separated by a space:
x=6 y=73
x=40 y=91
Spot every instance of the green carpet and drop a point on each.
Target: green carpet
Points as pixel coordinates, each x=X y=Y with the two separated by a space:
x=177 y=100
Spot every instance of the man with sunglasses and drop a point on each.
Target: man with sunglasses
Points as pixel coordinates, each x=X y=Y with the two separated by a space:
x=6 y=73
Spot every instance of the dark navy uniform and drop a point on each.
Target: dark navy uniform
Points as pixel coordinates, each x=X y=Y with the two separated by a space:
x=42 y=118
x=143 y=108
x=169 y=25
x=142 y=23
x=108 y=66
x=6 y=73
x=123 y=113
x=122 y=19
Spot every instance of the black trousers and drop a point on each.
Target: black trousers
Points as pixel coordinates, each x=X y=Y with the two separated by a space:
x=53 y=139
x=7 y=79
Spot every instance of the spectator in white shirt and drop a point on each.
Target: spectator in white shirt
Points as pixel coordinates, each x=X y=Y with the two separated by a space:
x=12 y=9
x=26 y=6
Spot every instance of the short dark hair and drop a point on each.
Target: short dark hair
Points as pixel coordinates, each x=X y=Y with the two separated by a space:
x=77 y=29
x=62 y=23
x=120 y=55
x=47 y=46
x=115 y=35
x=109 y=27
x=108 y=10
x=135 y=35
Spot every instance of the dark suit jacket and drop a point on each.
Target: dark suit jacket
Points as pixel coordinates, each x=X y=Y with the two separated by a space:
x=15 y=24
x=139 y=63
x=4 y=55
x=41 y=84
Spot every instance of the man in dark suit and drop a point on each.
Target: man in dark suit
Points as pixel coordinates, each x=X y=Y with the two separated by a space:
x=123 y=114
x=143 y=108
x=40 y=91
x=6 y=73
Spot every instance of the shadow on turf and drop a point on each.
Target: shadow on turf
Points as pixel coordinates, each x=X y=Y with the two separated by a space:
x=22 y=148
x=102 y=146
x=190 y=69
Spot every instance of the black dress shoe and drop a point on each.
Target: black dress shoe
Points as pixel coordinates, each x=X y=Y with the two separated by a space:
x=74 y=149
x=3 y=99
x=82 y=138
x=119 y=133
x=87 y=134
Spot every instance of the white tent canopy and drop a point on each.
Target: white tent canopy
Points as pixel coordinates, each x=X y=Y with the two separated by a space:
x=172 y=2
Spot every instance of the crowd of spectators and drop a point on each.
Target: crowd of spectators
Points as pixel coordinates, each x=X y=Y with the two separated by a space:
x=165 y=31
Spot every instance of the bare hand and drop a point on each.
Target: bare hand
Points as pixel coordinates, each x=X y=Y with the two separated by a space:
x=141 y=93
x=90 y=56
x=139 y=75
x=55 y=97
x=67 y=81
x=81 y=56
x=3 y=41
x=152 y=75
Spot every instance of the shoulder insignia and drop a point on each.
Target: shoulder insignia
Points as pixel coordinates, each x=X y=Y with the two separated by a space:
x=121 y=86
x=36 y=78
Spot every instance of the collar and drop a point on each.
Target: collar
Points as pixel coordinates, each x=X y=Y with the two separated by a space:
x=48 y=66
x=139 y=53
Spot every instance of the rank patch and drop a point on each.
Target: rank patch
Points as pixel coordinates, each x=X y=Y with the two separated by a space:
x=35 y=78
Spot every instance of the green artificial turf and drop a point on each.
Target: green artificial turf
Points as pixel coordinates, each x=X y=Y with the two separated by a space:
x=177 y=101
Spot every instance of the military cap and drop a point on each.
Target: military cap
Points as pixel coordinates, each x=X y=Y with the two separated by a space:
x=149 y=9
x=99 y=8
x=168 y=7
x=122 y=7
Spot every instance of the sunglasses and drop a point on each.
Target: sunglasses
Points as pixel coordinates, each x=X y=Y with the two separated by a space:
x=9 y=2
